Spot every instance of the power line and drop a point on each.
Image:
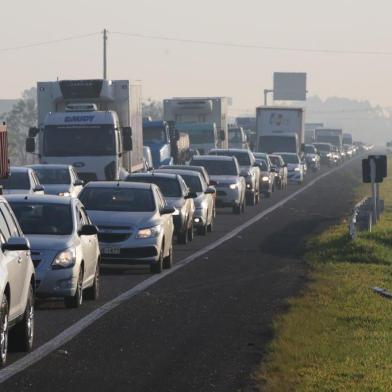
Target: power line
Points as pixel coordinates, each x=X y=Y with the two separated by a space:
x=252 y=46
x=51 y=42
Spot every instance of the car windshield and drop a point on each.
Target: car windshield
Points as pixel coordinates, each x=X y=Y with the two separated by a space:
x=242 y=157
x=168 y=186
x=275 y=161
x=192 y=182
x=154 y=135
x=235 y=135
x=43 y=218
x=51 y=176
x=290 y=158
x=73 y=140
x=117 y=199
x=263 y=164
x=310 y=150
x=217 y=167
x=16 y=181
x=323 y=147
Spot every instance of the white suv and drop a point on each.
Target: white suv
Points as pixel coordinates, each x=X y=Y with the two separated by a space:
x=17 y=283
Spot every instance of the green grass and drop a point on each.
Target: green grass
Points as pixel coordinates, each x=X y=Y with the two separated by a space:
x=337 y=336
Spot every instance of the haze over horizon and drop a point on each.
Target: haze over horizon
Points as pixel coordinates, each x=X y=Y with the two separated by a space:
x=169 y=68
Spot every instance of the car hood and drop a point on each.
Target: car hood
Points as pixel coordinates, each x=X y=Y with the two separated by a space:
x=292 y=166
x=121 y=219
x=224 y=179
x=16 y=191
x=176 y=202
x=55 y=189
x=199 y=199
x=50 y=242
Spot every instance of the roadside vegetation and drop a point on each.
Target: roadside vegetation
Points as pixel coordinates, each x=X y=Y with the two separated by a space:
x=337 y=336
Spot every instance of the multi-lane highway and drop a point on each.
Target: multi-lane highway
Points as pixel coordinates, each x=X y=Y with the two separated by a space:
x=202 y=326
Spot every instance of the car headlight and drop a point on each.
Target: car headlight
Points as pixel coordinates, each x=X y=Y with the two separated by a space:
x=65 y=259
x=313 y=159
x=265 y=179
x=150 y=232
x=233 y=186
x=329 y=155
x=64 y=194
x=297 y=169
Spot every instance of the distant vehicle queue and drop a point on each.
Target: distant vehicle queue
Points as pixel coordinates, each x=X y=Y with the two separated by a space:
x=111 y=190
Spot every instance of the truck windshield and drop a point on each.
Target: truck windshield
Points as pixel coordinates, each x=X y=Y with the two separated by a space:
x=63 y=141
x=200 y=136
x=217 y=167
x=154 y=135
x=269 y=144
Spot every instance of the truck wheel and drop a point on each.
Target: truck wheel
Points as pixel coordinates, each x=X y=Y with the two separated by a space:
x=92 y=293
x=22 y=335
x=3 y=331
x=77 y=300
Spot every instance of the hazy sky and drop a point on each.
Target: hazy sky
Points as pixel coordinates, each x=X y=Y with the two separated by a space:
x=177 y=69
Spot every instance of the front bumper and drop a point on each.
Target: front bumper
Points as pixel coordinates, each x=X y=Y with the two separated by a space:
x=294 y=176
x=56 y=282
x=226 y=197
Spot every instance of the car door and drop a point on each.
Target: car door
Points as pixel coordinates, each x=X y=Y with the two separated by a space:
x=89 y=245
x=13 y=263
x=167 y=221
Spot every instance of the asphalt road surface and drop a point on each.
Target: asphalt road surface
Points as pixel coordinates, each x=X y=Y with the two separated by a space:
x=203 y=327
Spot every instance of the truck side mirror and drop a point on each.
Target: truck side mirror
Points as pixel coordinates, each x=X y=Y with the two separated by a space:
x=127 y=138
x=33 y=131
x=222 y=135
x=30 y=145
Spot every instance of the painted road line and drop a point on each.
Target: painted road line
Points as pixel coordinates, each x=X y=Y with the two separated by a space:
x=72 y=331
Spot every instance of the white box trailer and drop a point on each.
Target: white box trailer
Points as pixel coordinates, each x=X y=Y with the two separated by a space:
x=279 y=129
x=205 y=110
x=94 y=125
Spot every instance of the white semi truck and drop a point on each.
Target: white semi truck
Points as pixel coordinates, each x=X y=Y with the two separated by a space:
x=279 y=129
x=93 y=125
x=330 y=135
x=204 y=119
x=310 y=131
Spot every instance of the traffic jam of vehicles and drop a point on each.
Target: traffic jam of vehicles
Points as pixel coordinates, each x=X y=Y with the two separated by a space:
x=112 y=189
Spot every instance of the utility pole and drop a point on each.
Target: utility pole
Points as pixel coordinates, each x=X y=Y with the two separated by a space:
x=105 y=38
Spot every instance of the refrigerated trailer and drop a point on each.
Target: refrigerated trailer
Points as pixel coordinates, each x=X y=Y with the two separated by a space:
x=209 y=112
x=93 y=125
x=279 y=129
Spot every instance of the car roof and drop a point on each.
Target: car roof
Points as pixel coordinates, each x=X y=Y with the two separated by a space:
x=231 y=150
x=20 y=169
x=286 y=153
x=49 y=165
x=179 y=172
x=117 y=184
x=213 y=158
x=47 y=199
x=153 y=174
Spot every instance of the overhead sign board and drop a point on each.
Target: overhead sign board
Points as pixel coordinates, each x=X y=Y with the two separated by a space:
x=289 y=86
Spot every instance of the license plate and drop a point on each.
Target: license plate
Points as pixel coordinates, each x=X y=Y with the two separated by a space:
x=111 y=251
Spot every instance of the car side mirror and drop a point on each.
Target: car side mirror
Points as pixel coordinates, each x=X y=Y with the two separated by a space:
x=274 y=169
x=88 y=230
x=210 y=191
x=30 y=145
x=222 y=135
x=33 y=132
x=191 y=195
x=78 y=182
x=39 y=188
x=127 y=138
x=167 y=211
x=16 y=244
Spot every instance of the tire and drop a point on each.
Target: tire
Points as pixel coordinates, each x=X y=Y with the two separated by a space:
x=77 y=300
x=258 y=198
x=182 y=238
x=92 y=293
x=237 y=209
x=22 y=335
x=190 y=233
x=268 y=194
x=202 y=230
x=251 y=199
x=157 y=267
x=168 y=260
x=210 y=226
x=243 y=206
x=3 y=330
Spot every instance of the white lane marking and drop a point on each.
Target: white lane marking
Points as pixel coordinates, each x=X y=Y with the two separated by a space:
x=69 y=333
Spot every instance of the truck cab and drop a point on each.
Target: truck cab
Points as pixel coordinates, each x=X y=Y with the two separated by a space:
x=156 y=136
x=93 y=125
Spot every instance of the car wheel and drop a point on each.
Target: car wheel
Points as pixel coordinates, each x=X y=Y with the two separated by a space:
x=251 y=199
x=210 y=226
x=3 y=330
x=190 y=233
x=92 y=293
x=157 y=267
x=168 y=260
x=76 y=300
x=237 y=209
x=182 y=238
x=22 y=335
x=243 y=206
x=202 y=230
